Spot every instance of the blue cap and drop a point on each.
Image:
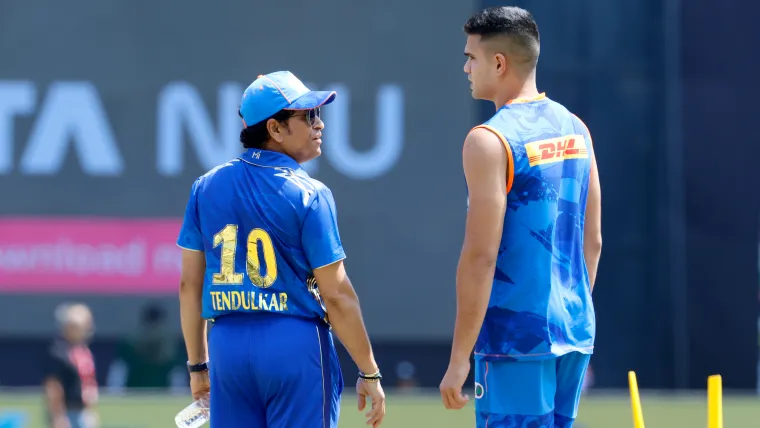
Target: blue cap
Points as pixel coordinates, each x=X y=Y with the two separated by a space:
x=273 y=92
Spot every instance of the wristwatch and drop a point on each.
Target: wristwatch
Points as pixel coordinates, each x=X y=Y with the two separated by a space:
x=200 y=367
x=372 y=377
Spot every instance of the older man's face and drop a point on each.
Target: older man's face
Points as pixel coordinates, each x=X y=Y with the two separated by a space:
x=78 y=328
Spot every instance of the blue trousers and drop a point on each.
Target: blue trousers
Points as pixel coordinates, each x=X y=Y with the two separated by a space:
x=273 y=371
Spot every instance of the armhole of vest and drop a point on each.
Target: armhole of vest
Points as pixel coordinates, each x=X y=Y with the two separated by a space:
x=510 y=158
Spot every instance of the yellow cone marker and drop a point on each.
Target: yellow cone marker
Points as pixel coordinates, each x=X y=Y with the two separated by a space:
x=638 y=414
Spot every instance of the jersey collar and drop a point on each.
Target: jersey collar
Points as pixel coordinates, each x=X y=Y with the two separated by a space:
x=268 y=158
x=539 y=97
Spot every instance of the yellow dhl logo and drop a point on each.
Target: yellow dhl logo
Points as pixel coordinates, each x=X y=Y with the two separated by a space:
x=556 y=149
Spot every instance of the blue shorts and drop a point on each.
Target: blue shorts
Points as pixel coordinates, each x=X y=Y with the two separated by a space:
x=273 y=371
x=542 y=393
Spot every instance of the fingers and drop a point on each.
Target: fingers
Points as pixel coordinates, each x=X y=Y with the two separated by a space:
x=360 y=395
x=200 y=390
x=377 y=413
x=445 y=396
x=375 y=417
x=201 y=393
x=460 y=400
x=453 y=399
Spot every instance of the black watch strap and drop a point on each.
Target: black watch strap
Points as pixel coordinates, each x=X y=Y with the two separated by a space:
x=371 y=377
x=194 y=368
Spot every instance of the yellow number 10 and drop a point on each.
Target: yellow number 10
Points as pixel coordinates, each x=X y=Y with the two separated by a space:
x=227 y=238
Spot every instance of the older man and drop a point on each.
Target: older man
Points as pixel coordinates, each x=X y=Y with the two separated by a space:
x=70 y=387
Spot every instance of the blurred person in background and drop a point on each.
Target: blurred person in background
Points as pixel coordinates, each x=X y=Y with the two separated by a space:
x=406 y=377
x=70 y=386
x=151 y=357
x=532 y=238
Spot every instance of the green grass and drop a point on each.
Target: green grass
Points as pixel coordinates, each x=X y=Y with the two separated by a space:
x=597 y=411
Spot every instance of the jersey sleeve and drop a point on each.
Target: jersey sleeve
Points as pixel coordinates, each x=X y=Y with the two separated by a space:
x=190 y=237
x=320 y=237
x=584 y=129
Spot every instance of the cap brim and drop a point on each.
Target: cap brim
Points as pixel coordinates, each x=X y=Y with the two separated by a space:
x=312 y=100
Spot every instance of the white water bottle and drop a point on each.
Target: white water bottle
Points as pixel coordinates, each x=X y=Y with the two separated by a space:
x=193 y=416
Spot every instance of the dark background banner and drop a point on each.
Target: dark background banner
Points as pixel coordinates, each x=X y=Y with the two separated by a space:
x=722 y=181
x=117 y=115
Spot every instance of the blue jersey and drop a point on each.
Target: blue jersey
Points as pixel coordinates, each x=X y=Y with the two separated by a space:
x=540 y=305
x=264 y=226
